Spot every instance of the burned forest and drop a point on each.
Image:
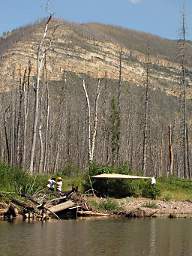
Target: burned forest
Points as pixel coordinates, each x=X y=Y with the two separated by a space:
x=76 y=94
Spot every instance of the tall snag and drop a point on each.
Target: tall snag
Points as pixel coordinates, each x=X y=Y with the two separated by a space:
x=40 y=62
x=182 y=60
x=171 y=155
x=116 y=117
x=146 y=115
x=92 y=132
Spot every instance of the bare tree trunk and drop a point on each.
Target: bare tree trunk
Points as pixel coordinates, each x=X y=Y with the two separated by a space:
x=41 y=149
x=171 y=155
x=20 y=127
x=92 y=138
x=12 y=160
x=119 y=105
x=95 y=120
x=89 y=120
x=188 y=155
x=6 y=135
x=40 y=62
x=69 y=136
x=182 y=60
x=47 y=120
x=26 y=113
x=146 y=118
x=56 y=158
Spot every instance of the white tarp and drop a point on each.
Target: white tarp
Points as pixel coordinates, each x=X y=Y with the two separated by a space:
x=118 y=176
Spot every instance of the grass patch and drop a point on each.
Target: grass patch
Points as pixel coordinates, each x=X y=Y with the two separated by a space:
x=17 y=181
x=173 y=188
x=105 y=205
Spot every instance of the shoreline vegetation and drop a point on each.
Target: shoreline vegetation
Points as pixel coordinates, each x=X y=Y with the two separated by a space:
x=171 y=197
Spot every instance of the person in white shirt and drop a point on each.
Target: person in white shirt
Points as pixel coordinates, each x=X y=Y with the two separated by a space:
x=153 y=181
x=59 y=184
x=51 y=184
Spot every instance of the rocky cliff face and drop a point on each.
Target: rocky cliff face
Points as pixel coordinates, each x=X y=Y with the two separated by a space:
x=93 y=49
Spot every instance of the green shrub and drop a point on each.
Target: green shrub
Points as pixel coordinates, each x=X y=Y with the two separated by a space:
x=108 y=187
x=150 y=191
x=17 y=180
x=118 y=187
x=107 y=204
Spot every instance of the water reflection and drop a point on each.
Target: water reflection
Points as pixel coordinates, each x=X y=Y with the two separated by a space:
x=109 y=237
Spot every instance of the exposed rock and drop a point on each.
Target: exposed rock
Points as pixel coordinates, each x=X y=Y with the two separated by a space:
x=89 y=49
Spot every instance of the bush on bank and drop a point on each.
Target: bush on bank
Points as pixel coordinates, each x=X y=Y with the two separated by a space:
x=118 y=188
x=19 y=181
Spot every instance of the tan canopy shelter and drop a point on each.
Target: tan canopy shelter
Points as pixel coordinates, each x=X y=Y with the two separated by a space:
x=118 y=176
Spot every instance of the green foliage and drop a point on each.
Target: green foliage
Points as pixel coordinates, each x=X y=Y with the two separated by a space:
x=19 y=181
x=175 y=188
x=16 y=180
x=95 y=169
x=107 y=204
x=123 y=169
x=150 y=191
x=115 y=187
x=174 y=183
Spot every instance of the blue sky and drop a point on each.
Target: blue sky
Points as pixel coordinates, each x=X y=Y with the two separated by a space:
x=160 y=17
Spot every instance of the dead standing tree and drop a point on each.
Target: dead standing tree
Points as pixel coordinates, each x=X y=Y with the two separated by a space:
x=26 y=112
x=41 y=53
x=92 y=134
x=182 y=60
x=119 y=105
x=5 y=117
x=171 y=155
x=20 y=125
x=146 y=116
x=116 y=117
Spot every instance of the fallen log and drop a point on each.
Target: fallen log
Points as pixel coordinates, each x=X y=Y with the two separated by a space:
x=22 y=204
x=61 y=207
x=29 y=198
x=57 y=200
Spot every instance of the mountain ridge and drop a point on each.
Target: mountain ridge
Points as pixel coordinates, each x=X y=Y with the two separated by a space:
x=92 y=48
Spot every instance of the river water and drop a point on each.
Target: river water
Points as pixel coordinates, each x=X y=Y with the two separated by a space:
x=98 y=237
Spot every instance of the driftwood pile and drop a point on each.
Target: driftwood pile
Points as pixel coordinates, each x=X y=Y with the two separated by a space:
x=30 y=208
